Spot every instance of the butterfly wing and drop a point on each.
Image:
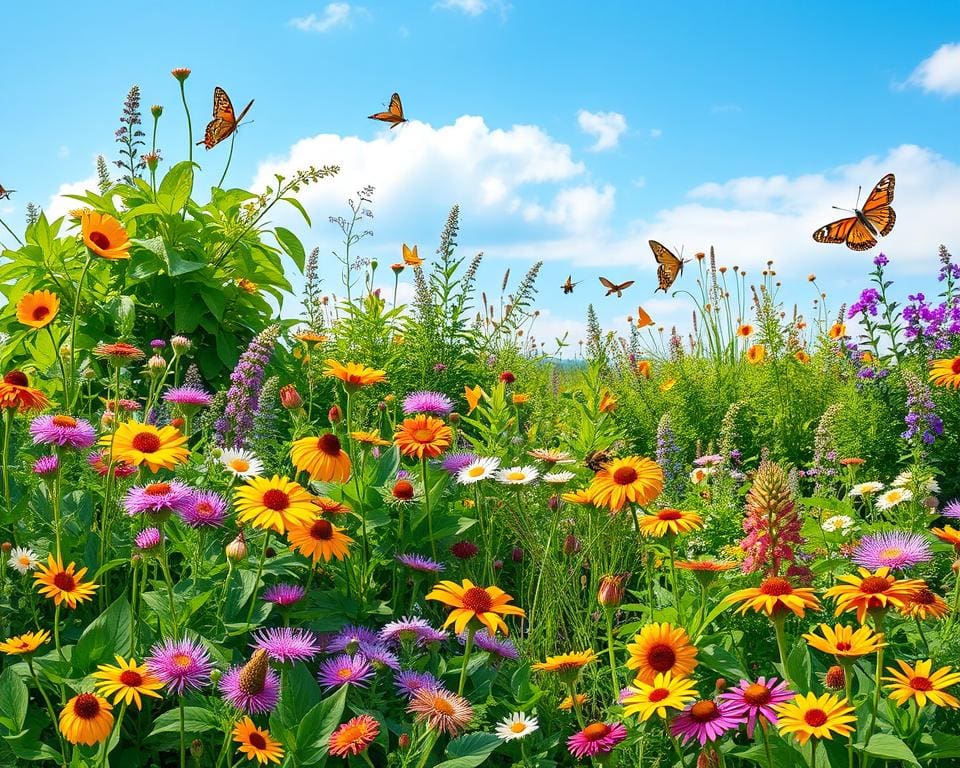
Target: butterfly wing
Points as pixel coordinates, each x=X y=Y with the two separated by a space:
x=394 y=113
x=669 y=266
x=410 y=256
x=608 y=284
x=643 y=319
x=850 y=231
x=222 y=106
x=224 y=119
x=877 y=209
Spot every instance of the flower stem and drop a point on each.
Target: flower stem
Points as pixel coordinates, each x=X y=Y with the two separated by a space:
x=608 y=610
x=50 y=710
x=7 y=429
x=426 y=504
x=164 y=566
x=766 y=743
x=56 y=632
x=778 y=622
x=233 y=137
x=467 y=648
x=256 y=581
x=183 y=97
x=183 y=736
x=74 y=389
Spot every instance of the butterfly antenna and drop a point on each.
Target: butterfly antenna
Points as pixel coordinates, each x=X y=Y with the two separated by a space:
x=848 y=210
x=859 y=191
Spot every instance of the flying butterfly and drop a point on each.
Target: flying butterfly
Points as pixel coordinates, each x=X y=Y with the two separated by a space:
x=570 y=285
x=875 y=219
x=225 y=120
x=643 y=319
x=614 y=288
x=5 y=193
x=669 y=265
x=394 y=113
x=410 y=257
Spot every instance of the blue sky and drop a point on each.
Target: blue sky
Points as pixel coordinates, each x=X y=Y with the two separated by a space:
x=566 y=135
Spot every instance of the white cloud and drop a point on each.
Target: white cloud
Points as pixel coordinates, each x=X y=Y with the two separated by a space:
x=334 y=15
x=605 y=127
x=940 y=73
x=473 y=7
x=656 y=133
x=59 y=205
x=577 y=209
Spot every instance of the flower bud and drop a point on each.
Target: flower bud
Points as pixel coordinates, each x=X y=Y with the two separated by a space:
x=88 y=373
x=517 y=555
x=835 y=678
x=571 y=544
x=6 y=547
x=290 y=398
x=721 y=684
x=196 y=749
x=237 y=549
x=152 y=160
x=404 y=741
x=180 y=344
x=507 y=377
x=610 y=594
x=215 y=676
x=65 y=351
x=498 y=565
x=335 y=414
x=454 y=418
x=178 y=422
x=181 y=73
x=106 y=419
x=156 y=110
x=156 y=365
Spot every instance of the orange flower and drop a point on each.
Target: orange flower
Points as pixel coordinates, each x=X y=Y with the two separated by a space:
x=661 y=648
x=472 y=397
x=745 y=330
x=644 y=368
x=669 y=522
x=801 y=356
x=354 y=374
x=16 y=392
x=410 y=256
x=319 y=539
x=104 y=235
x=608 y=403
x=949 y=534
x=872 y=591
x=633 y=478
x=756 y=354
x=423 y=436
x=37 y=309
x=468 y=601
x=322 y=458
x=519 y=398
x=837 y=331
x=775 y=595
x=63 y=585
x=247 y=285
x=945 y=372
x=668 y=385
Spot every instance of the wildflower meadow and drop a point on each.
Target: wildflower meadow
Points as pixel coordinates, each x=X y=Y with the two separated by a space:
x=250 y=517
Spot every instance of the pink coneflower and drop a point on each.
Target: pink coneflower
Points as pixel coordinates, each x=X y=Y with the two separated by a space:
x=253 y=688
x=417 y=562
x=64 y=431
x=756 y=700
x=287 y=644
x=441 y=710
x=98 y=462
x=149 y=538
x=409 y=682
x=157 y=498
x=181 y=665
x=354 y=736
x=705 y=720
x=951 y=509
x=345 y=670
x=204 y=509
x=190 y=399
x=411 y=630
x=893 y=549
x=284 y=594
x=46 y=466
x=427 y=402
x=596 y=739
x=710 y=460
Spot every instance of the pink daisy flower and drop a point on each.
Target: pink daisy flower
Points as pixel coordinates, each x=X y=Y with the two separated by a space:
x=756 y=700
x=64 y=431
x=705 y=720
x=157 y=498
x=190 y=399
x=181 y=665
x=596 y=739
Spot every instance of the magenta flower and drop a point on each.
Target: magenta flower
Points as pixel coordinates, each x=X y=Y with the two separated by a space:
x=285 y=644
x=756 y=700
x=498 y=646
x=417 y=562
x=253 y=688
x=98 y=461
x=705 y=720
x=409 y=682
x=190 y=399
x=345 y=670
x=411 y=630
x=427 y=402
x=149 y=538
x=596 y=739
x=204 y=509
x=284 y=594
x=379 y=657
x=351 y=639
x=181 y=665
x=454 y=462
x=893 y=549
x=64 y=431
x=157 y=498
x=46 y=466
x=951 y=509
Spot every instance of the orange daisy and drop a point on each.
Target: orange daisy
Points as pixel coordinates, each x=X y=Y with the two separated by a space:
x=485 y=604
x=322 y=458
x=16 y=392
x=37 y=309
x=423 y=436
x=634 y=479
x=353 y=374
x=775 y=595
x=104 y=235
x=670 y=522
x=867 y=591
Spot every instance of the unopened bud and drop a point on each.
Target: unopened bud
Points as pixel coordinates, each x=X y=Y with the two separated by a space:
x=290 y=398
x=454 y=418
x=156 y=110
x=721 y=684
x=610 y=594
x=517 y=555
x=196 y=749
x=106 y=419
x=835 y=678
x=6 y=547
x=571 y=544
x=237 y=549
x=180 y=344
x=404 y=741
x=334 y=414
x=156 y=365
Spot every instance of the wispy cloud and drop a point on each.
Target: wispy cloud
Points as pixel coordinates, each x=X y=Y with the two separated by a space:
x=720 y=109
x=605 y=127
x=474 y=7
x=656 y=133
x=334 y=15
x=940 y=73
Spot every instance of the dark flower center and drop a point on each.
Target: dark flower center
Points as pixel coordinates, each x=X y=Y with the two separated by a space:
x=843 y=646
x=17 y=379
x=64 y=421
x=146 y=442
x=131 y=678
x=775 y=586
x=86 y=706
x=815 y=717
x=756 y=695
x=321 y=530
x=329 y=444
x=40 y=312
x=157 y=489
x=625 y=476
x=276 y=500
x=921 y=684
x=661 y=657
x=596 y=731
x=955 y=365
x=669 y=514
x=477 y=600
x=64 y=581
x=100 y=240
x=403 y=490
x=658 y=694
x=256 y=740
x=924 y=597
x=704 y=711
x=873 y=585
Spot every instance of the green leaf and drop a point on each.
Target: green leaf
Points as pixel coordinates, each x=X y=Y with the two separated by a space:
x=124 y=314
x=889 y=747
x=313 y=735
x=175 y=188
x=27 y=746
x=292 y=246
x=299 y=694
x=798 y=666
x=470 y=750
x=178 y=265
x=940 y=745
x=187 y=310
x=109 y=634
x=195 y=720
x=296 y=204
x=13 y=700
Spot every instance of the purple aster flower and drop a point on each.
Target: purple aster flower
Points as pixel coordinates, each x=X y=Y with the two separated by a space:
x=410 y=630
x=705 y=720
x=454 y=462
x=498 y=646
x=46 y=465
x=439 y=367
x=204 y=508
x=188 y=398
x=756 y=700
x=893 y=549
x=158 y=344
x=286 y=644
x=409 y=682
x=149 y=538
x=65 y=431
x=951 y=509
x=284 y=594
x=881 y=260
x=345 y=670
x=420 y=563
x=181 y=665
x=427 y=402
x=253 y=688
x=157 y=498
x=351 y=638
x=379 y=656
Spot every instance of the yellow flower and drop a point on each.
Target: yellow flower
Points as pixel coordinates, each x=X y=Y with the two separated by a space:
x=661 y=648
x=668 y=385
x=568 y=703
x=86 y=719
x=837 y=331
x=369 y=438
x=664 y=693
x=410 y=257
x=256 y=744
x=38 y=309
x=756 y=354
x=819 y=718
x=945 y=372
x=275 y=504
x=872 y=591
x=670 y=522
x=354 y=374
x=486 y=605
x=918 y=684
x=566 y=665
x=63 y=585
x=126 y=682
x=322 y=458
x=137 y=444
x=775 y=595
x=844 y=642
x=28 y=642
x=634 y=478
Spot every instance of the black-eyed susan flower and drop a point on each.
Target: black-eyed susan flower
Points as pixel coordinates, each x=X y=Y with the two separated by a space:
x=256 y=744
x=28 y=642
x=866 y=591
x=323 y=458
x=845 y=642
x=126 y=682
x=104 y=235
x=566 y=666
x=775 y=595
x=661 y=648
x=353 y=374
x=918 y=683
x=634 y=479
x=86 y=719
x=138 y=444
x=275 y=504
x=945 y=372
x=319 y=539
x=485 y=604
x=63 y=585
x=669 y=522
x=665 y=693
x=809 y=716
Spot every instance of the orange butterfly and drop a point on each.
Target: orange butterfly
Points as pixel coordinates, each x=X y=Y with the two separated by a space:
x=394 y=113
x=669 y=265
x=570 y=285
x=643 y=319
x=875 y=219
x=5 y=193
x=224 y=120
x=410 y=257
x=614 y=288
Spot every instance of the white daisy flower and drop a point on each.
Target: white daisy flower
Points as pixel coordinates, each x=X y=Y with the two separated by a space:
x=558 y=478
x=838 y=523
x=23 y=559
x=905 y=478
x=866 y=489
x=518 y=475
x=894 y=496
x=700 y=475
x=241 y=463
x=479 y=469
x=516 y=726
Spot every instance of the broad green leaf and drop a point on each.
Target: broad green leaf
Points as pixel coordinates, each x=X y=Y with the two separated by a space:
x=292 y=246
x=470 y=751
x=107 y=635
x=175 y=188
x=13 y=700
x=313 y=735
x=889 y=747
x=195 y=719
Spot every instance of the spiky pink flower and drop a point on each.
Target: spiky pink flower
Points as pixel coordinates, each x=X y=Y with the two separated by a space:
x=596 y=739
x=63 y=431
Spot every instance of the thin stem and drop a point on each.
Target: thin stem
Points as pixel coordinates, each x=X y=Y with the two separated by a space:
x=467 y=648
x=56 y=632
x=256 y=581
x=576 y=704
x=7 y=429
x=183 y=97
x=233 y=137
x=608 y=610
x=50 y=710
x=778 y=622
x=813 y=753
x=104 y=745
x=74 y=390
x=169 y=582
x=766 y=743
x=426 y=504
x=63 y=370
x=923 y=637
x=19 y=241
x=878 y=628
x=183 y=736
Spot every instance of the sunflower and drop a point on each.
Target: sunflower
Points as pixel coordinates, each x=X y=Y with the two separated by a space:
x=756 y=354
x=136 y=444
x=664 y=693
x=38 y=309
x=275 y=504
x=322 y=458
x=104 y=235
x=353 y=375
x=566 y=665
x=636 y=479
x=423 y=436
x=918 y=684
x=844 y=642
x=127 y=682
x=872 y=591
x=16 y=392
x=86 y=719
x=486 y=605
x=63 y=585
x=669 y=522
x=256 y=744
x=319 y=539
x=820 y=718
x=775 y=595
x=28 y=642
x=661 y=648
x=945 y=372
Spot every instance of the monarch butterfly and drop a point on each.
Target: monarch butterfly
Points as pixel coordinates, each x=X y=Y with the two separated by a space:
x=875 y=219
x=570 y=285
x=643 y=319
x=224 y=120
x=410 y=257
x=669 y=266
x=394 y=113
x=614 y=288
x=5 y=193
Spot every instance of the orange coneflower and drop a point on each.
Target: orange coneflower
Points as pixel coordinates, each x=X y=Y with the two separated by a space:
x=868 y=591
x=468 y=601
x=256 y=744
x=16 y=392
x=661 y=648
x=136 y=444
x=309 y=337
x=319 y=538
x=86 y=719
x=63 y=585
x=37 y=309
x=328 y=506
x=246 y=285
x=353 y=374
x=275 y=504
x=636 y=479
x=644 y=368
x=104 y=235
x=756 y=354
x=775 y=595
x=809 y=717
x=925 y=604
x=423 y=436
x=322 y=458
x=567 y=666
x=949 y=534
x=669 y=522
x=745 y=330
x=945 y=372
x=118 y=353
